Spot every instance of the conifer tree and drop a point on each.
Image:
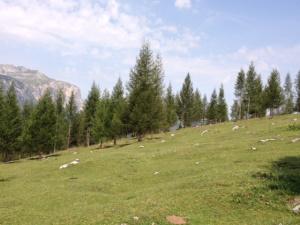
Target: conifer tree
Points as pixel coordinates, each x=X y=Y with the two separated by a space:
x=273 y=93
x=297 y=87
x=90 y=112
x=179 y=110
x=61 y=126
x=235 y=110
x=145 y=93
x=288 y=95
x=222 y=111
x=170 y=106
x=212 y=109
x=197 y=106
x=42 y=129
x=240 y=92
x=186 y=101
x=205 y=105
x=2 y=127
x=12 y=125
x=72 y=118
x=28 y=109
x=118 y=110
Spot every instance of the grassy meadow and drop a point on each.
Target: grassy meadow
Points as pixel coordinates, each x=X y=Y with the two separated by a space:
x=221 y=177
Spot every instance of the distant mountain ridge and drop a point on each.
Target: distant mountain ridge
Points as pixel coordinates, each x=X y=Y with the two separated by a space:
x=31 y=84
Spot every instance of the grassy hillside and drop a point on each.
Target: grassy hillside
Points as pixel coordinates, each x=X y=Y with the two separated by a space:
x=216 y=178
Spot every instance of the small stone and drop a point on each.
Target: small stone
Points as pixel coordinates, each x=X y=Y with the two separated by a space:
x=136 y=218
x=197 y=163
x=296 y=209
x=172 y=135
x=156 y=173
x=235 y=128
x=142 y=146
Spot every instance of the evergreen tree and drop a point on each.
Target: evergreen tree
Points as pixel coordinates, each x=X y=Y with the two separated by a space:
x=61 y=126
x=2 y=125
x=118 y=110
x=260 y=110
x=12 y=125
x=222 y=111
x=297 y=87
x=170 y=106
x=273 y=93
x=205 y=106
x=240 y=92
x=145 y=93
x=101 y=121
x=288 y=95
x=235 y=110
x=186 y=101
x=90 y=112
x=197 y=106
x=212 y=109
x=42 y=129
x=28 y=109
x=72 y=118
x=179 y=110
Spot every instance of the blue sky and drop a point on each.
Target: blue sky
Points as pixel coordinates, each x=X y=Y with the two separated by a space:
x=81 y=41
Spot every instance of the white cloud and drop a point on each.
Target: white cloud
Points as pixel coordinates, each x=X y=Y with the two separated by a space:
x=183 y=4
x=78 y=27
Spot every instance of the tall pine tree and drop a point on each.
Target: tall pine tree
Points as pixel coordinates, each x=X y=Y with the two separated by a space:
x=170 y=107
x=73 y=120
x=222 y=110
x=90 y=108
x=12 y=125
x=273 y=92
x=186 y=101
x=197 y=106
x=240 y=93
x=288 y=95
x=145 y=93
x=212 y=109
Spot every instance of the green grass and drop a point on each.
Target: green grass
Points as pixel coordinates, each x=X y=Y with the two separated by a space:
x=230 y=184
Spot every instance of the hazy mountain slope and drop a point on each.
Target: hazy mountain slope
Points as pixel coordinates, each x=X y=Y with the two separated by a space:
x=31 y=84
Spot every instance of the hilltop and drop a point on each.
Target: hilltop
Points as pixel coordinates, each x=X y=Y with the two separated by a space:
x=224 y=176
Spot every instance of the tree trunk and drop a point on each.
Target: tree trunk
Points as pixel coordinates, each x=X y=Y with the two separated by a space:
x=115 y=141
x=88 y=137
x=140 y=137
x=69 y=136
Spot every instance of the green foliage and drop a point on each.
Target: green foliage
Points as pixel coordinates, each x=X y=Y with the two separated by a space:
x=186 y=101
x=212 y=110
x=235 y=111
x=297 y=87
x=222 y=111
x=170 y=108
x=288 y=95
x=273 y=92
x=145 y=93
x=240 y=93
x=12 y=125
x=41 y=132
x=90 y=113
x=197 y=106
x=72 y=117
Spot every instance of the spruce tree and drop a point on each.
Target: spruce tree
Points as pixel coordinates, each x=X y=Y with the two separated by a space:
x=288 y=95
x=12 y=125
x=145 y=93
x=170 y=107
x=2 y=127
x=212 y=109
x=222 y=111
x=273 y=93
x=240 y=92
x=118 y=110
x=42 y=129
x=61 y=126
x=90 y=112
x=179 y=110
x=235 y=110
x=28 y=109
x=72 y=118
x=186 y=100
x=197 y=106
x=205 y=105
x=297 y=87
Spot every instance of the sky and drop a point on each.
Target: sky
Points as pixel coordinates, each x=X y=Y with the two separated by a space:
x=81 y=41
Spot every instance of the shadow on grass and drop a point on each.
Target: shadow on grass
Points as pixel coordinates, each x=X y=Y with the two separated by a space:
x=286 y=175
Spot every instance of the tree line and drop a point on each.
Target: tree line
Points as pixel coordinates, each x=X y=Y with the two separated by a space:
x=253 y=99
x=141 y=107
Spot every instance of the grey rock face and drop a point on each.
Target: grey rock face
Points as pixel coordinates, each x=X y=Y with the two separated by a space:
x=31 y=84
